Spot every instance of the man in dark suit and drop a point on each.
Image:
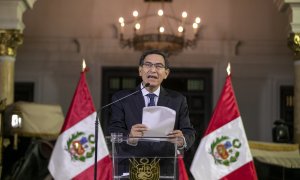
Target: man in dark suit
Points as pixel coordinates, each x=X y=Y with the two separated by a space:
x=127 y=114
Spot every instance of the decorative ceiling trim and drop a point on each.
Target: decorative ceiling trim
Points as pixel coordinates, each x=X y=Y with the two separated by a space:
x=29 y=3
x=281 y=5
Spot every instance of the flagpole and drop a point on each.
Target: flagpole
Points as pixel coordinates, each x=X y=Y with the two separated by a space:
x=96 y=143
x=228 y=69
x=96 y=130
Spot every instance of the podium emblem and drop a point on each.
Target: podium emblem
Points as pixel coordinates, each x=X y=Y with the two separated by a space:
x=144 y=169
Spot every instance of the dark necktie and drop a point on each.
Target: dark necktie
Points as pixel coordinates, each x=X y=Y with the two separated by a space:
x=151 y=97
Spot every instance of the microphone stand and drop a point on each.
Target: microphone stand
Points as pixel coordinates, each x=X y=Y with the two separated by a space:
x=97 y=124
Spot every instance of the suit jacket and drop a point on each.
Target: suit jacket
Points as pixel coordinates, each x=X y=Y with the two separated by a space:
x=129 y=111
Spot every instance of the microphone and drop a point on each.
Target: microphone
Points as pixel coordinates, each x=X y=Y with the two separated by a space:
x=107 y=105
x=97 y=123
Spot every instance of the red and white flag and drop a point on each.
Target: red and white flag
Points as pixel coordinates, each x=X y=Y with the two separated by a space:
x=224 y=152
x=182 y=174
x=74 y=151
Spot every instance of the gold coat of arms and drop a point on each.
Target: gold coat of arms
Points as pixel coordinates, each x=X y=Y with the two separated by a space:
x=144 y=169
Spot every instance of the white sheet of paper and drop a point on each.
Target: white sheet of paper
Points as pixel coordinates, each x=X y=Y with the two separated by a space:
x=160 y=121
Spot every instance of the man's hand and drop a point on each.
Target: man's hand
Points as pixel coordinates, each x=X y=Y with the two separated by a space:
x=137 y=130
x=179 y=135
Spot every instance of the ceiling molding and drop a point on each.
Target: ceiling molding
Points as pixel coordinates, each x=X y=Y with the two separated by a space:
x=281 y=5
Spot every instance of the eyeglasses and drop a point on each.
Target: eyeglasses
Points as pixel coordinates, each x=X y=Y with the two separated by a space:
x=158 y=66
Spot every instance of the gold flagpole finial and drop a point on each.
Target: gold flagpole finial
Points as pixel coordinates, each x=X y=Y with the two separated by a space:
x=83 y=65
x=228 y=69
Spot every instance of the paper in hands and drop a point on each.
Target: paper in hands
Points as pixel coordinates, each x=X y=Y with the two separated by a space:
x=159 y=120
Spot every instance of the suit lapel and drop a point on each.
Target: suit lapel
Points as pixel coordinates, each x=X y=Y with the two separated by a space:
x=139 y=104
x=139 y=100
x=163 y=99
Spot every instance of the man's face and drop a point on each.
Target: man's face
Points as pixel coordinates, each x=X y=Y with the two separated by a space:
x=153 y=71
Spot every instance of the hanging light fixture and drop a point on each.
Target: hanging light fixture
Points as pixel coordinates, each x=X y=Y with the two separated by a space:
x=158 y=28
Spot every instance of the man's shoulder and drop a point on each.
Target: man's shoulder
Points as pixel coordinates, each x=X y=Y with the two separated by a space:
x=173 y=93
x=123 y=92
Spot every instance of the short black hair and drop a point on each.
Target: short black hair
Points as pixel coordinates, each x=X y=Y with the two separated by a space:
x=155 y=51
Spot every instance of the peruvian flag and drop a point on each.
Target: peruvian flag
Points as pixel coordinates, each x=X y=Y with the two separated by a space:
x=181 y=169
x=74 y=151
x=224 y=152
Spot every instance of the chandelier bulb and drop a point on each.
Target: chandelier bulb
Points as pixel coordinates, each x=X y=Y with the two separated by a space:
x=184 y=14
x=137 y=26
x=180 y=29
x=161 y=29
x=195 y=25
x=121 y=20
x=198 y=20
x=160 y=12
x=135 y=13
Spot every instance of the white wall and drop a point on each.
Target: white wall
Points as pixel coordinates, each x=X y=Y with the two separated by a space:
x=250 y=34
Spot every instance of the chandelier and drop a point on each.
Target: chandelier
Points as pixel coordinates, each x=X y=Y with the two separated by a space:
x=158 y=28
